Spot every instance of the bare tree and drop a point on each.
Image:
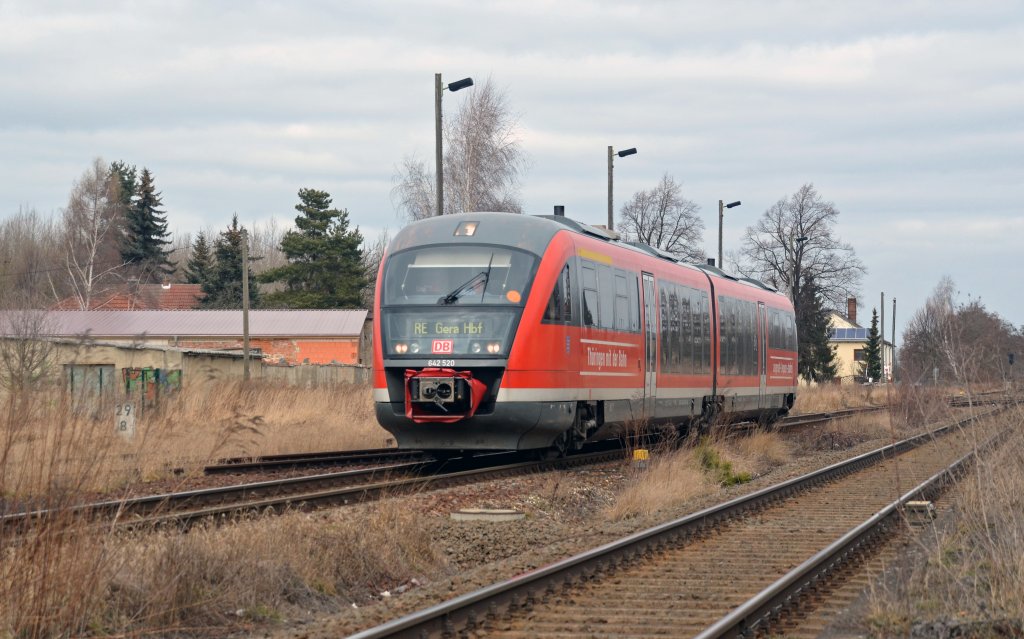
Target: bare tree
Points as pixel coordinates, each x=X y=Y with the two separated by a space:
x=92 y=224
x=961 y=342
x=265 y=240
x=483 y=161
x=373 y=255
x=661 y=217
x=795 y=239
x=30 y=251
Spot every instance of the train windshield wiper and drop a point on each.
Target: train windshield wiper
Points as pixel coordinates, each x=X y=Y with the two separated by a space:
x=482 y=276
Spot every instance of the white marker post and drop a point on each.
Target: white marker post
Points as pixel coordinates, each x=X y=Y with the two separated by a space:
x=124 y=420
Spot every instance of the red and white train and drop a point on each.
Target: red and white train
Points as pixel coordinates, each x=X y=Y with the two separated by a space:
x=496 y=332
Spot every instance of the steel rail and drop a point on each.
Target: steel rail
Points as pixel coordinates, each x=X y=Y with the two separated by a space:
x=466 y=612
x=298 y=460
x=152 y=503
x=263 y=496
x=368 y=492
x=760 y=611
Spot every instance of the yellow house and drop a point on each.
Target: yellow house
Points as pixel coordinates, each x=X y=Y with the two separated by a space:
x=849 y=340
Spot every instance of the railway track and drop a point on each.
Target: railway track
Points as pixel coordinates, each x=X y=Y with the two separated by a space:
x=315 y=460
x=743 y=568
x=338 y=488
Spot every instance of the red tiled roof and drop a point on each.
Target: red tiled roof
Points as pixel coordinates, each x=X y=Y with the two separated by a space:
x=156 y=297
x=185 y=324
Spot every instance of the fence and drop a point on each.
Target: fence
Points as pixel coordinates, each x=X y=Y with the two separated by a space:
x=313 y=376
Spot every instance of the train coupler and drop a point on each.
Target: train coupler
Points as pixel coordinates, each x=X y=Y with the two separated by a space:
x=441 y=395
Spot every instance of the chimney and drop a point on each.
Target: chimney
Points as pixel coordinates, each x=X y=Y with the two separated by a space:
x=851 y=309
x=559 y=210
x=711 y=261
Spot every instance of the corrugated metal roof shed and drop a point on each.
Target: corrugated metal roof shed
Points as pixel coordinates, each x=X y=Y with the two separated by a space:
x=262 y=323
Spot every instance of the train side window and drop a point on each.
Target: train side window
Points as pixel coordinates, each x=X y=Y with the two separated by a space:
x=686 y=332
x=745 y=335
x=566 y=294
x=621 y=302
x=752 y=317
x=705 y=319
x=559 y=308
x=606 y=296
x=590 y=308
x=724 y=337
x=634 y=303
x=665 y=332
x=697 y=323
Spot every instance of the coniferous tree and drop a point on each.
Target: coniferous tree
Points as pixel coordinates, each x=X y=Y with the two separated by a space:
x=224 y=286
x=127 y=181
x=817 y=361
x=200 y=264
x=873 y=350
x=324 y=268
x=145 y=233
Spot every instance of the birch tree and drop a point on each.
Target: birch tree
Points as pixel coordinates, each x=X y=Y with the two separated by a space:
x=92 y=225
x=483 y=161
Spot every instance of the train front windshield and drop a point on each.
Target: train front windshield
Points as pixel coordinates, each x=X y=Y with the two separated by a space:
x=454 y=300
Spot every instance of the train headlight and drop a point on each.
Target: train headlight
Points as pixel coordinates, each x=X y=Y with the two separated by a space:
x=494 y=347
x=401 y=348
x=475 y=348
x=414 y=347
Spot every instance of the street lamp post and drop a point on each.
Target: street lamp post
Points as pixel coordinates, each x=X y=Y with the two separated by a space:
x=621 y=154
x=721 y=211
x=438 y=90
x=796 y=270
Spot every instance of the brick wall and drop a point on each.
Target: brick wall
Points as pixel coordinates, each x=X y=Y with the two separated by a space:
x=290 y=351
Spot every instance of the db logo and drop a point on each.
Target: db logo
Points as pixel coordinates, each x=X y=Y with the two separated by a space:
x=442 y=347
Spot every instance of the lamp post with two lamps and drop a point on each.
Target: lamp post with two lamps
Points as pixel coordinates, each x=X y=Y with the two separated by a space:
x=721 y=212
x=439 y=88
x=621 y=154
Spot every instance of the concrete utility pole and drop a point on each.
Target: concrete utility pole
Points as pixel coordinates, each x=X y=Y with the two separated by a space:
x=245 y=305
x=439 y=88
x=611 y=213
x=721 y=216
x=438 y=163
x=893 y=319
x=611 y=210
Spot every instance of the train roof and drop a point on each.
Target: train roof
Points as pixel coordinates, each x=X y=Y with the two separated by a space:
x=533 y=233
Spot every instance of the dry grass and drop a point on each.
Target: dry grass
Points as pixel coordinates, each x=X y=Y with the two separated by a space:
x=50 y=446
x=669 y=479
x=262 y=569
x=970 y=568
x=758 y=452
x=829 y=397
x=66 y=577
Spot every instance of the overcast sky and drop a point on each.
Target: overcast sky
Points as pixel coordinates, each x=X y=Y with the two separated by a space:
x=909 y=116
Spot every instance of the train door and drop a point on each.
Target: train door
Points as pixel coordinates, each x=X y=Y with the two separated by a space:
x=762 y=345
x=650 y=345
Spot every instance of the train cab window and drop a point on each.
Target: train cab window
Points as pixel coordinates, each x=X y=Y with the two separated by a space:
x=559 y=308
x=462 y=275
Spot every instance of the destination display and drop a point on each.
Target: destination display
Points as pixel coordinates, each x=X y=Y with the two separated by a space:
x=447 y=331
